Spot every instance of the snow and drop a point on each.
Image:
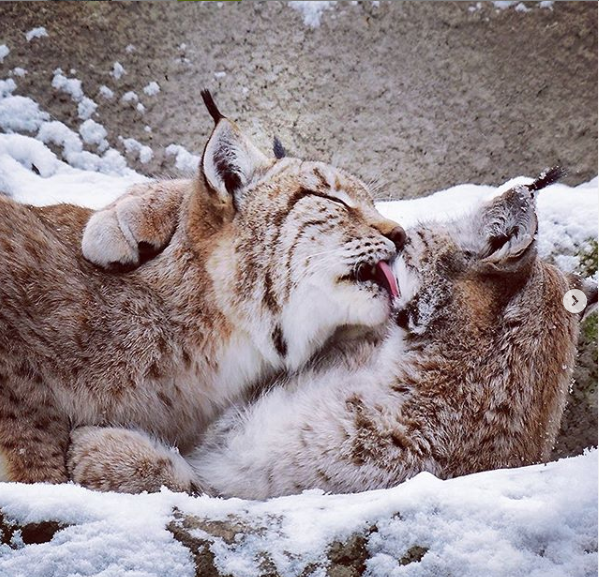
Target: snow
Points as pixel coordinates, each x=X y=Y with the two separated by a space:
x=132 y=146
x=184 y=160
x=152 y=88
x=57 y=181
x=4 y=51
x=538 y=521
x=129 y=97
x=86 y=108
x=503 y=4
x=18 y=113
x=219 y=75
x=546 y=4
x=311 y=11
x=130 y=48
x=36 y=33
x=56 y=132
x=520 y=7
x=18 y=71
x=71 y=86
x=106 y=92
x=140 y=107
x=118 y=70
x=7 y=87
x=93 y=133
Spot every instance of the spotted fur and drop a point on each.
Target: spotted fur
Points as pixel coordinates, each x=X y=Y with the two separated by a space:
x=232 y=276
x=474 y=376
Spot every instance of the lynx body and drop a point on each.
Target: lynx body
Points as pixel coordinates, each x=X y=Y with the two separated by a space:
x=235 y=294
x=473 y=376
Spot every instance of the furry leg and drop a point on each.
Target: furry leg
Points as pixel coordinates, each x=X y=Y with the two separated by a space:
x=125 y=461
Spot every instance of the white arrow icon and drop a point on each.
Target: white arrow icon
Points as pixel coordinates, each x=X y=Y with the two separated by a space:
x=575 y=301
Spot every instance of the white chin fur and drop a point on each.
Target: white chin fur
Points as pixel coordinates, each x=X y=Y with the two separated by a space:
x=312 y=316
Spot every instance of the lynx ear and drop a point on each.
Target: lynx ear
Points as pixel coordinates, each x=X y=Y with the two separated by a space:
x=508 y=224
x=231 y=161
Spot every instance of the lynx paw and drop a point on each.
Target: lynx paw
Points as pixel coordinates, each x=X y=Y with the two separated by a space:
x=111 y=459
x=106 y=242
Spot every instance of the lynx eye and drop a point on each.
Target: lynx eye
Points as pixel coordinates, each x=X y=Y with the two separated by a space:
x=326 y=197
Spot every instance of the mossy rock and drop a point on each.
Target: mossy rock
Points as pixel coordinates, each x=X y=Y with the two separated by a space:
x=579 y=423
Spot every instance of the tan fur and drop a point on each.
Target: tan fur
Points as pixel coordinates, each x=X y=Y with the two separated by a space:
x=134 y=462
x=164 y=347
x=475 y=376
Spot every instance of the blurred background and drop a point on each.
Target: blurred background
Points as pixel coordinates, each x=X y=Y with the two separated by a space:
x=416 y=96
x=411 y=96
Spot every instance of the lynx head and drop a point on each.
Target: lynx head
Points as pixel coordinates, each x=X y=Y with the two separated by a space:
x=466 y=274
x=307 y=251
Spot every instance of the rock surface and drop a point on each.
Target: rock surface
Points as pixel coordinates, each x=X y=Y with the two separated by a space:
x=417 y=96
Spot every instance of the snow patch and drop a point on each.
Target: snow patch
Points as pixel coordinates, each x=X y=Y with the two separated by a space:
x=130 y=48
x=311 y=11
x=71 y=86
x=7 y=87
x=4 y=51
x=184 y=160
x=18 y=113
x=27 y=152
x=94 y=133
x=40 y=32
x=106 y=92
x=117 y=70
x=219 y=75
x=546 y=4
x=137 y=149
x=130 y=97
x=152 y=89
x=86 y=108
x=18 y=71
x=97 y=183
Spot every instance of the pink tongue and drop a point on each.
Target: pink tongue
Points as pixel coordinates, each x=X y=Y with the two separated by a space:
x=386 y=270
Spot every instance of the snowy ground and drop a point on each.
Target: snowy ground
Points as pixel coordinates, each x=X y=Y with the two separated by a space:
x=536 y=521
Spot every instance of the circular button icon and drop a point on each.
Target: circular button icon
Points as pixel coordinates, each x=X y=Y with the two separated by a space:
x=575 y=301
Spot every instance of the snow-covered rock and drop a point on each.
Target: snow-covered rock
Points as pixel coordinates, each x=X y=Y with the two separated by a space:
x=538 y=521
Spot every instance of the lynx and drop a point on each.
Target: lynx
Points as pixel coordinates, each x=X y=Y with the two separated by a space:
x=473 y=376
x=256 y=263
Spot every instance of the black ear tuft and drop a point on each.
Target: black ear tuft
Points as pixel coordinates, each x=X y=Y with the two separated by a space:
x=211 y=106
x=547 y=177
x=278 y=148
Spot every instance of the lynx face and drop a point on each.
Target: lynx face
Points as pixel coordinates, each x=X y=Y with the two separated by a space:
x=314 y=252
x=469 y=269
x=296 y=251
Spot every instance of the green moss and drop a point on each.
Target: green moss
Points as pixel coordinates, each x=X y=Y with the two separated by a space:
x=589 y=329
x=588 y=258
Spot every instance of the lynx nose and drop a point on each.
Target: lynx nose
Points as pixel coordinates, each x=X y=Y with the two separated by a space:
x=398 y=237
